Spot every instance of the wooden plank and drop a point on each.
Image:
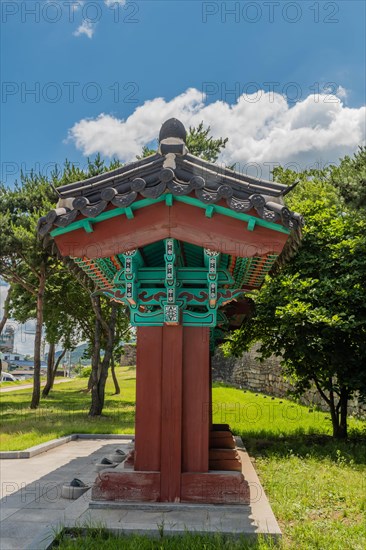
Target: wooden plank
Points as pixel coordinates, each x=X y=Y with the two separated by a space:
x=148 y=398
x=171 y=413
x=196 y=399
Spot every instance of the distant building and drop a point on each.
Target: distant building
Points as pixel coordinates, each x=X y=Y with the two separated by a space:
x=7 y=339
x=13 y=356
x=17 y=360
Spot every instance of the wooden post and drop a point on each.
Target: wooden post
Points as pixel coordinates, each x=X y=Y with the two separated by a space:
x=171 y=414
x=196 y=399
x=148 y=398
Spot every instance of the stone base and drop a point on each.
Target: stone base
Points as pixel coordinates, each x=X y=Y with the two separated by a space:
x=219 y=487
x=224 y=483
x=119 y=485
x=249 y=520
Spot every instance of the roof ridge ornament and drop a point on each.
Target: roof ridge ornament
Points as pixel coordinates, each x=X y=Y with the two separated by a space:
x=173 y=138
x=173 y=128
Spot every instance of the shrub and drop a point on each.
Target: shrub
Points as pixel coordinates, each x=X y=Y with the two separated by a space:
x=85 y=372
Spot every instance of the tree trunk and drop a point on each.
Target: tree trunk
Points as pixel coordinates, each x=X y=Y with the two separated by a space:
x=99 y=382
x=38 y=339
x=95 y=408
x=343 y=403
x=90 y=380
x=5 y=310
x=117 y=389
x=51 y=375
x=50 y=365
x=339 y=414
x=5 y=318
x=333 y=413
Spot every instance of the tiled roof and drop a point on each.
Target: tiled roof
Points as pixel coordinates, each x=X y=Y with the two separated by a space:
x=171 y=170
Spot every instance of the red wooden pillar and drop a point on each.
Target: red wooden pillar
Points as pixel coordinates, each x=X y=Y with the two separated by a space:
x=171 y=414
x=173 y=421
x=148 y=398
x=196 y=399
x=210 y=391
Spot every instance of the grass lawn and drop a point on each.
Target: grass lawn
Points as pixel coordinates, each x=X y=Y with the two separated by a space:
x=316 y=486
x=100 y=539
x=65 y=411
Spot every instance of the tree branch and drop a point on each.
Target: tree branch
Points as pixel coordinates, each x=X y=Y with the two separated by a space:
x=15 y=278
x=29 y=266
x=326 y=399
x=95 y=300
x=59 y=359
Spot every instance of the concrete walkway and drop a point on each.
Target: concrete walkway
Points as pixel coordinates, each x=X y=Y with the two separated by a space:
x=31 y=490
x=30 y=386
x=32 y=509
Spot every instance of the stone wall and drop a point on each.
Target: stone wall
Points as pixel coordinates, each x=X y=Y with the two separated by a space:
x=266 y=377
x=247 y=372
x=128 y=358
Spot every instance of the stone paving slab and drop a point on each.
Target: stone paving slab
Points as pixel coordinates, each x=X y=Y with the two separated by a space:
x=30 y=490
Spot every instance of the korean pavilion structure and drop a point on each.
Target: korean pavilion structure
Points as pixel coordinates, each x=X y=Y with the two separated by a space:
x=179 y=241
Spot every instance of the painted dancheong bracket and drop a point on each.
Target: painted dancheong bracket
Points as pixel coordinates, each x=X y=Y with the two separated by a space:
x=170 y=294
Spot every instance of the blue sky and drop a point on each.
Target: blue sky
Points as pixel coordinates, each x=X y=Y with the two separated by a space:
x=88 y=82
x=284 y=81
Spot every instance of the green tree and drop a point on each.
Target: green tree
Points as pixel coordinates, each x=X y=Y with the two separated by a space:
x=66 y=307
x=349 y=177
x=22 y=260
x=110 y=324
x=201 y=144
x=66 y=318
x=313 y=313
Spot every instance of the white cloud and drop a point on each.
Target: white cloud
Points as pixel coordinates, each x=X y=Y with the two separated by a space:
x=86 y=28
x=75 y=6
x=114 y=3
x=342 y=93
x=261 y=129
